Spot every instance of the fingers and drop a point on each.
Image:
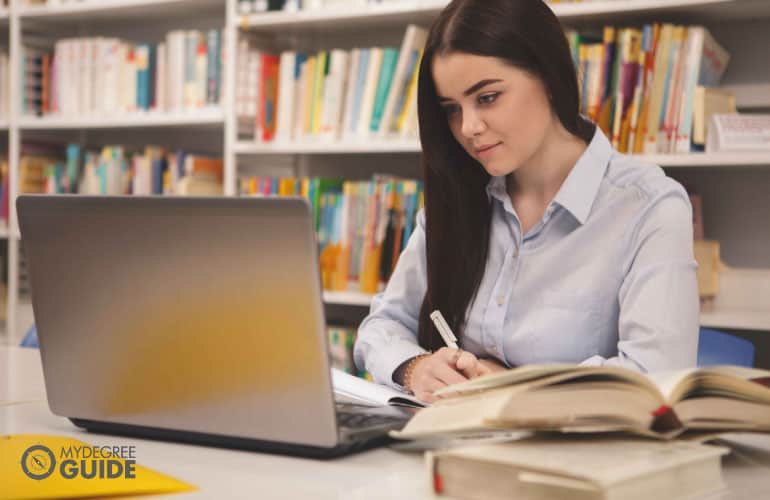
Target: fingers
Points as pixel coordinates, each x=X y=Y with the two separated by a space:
x=426 y=396
x=444 y=367
x=448 y=355
x=468 y=364
x=448 y=374
x=483 y=369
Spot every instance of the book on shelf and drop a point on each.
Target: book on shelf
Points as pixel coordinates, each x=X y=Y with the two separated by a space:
x=362 y=226
x=106 y=76
x=707 y=255
x=587 y=468
x=738 y=133
x=708 y=102
x=341 y=342
x=116 y=171
x=639 y=85
x=330 y=95
x=573 y=398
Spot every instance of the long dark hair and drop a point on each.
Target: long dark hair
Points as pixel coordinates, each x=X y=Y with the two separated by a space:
x=526 y=34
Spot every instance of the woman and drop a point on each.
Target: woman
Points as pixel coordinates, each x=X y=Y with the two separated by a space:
x=538 y=242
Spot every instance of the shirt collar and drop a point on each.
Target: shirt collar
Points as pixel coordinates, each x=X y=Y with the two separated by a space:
x=579 y=190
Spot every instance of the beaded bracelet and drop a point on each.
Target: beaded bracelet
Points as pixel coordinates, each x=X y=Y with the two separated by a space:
x=410 y=369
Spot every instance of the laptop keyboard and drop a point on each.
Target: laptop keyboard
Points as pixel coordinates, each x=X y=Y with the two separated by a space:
x=363 y=420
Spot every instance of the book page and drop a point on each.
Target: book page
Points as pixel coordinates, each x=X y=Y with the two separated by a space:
x=667 y=381
x=532 y=376
x=749 y=383
x=508 y=377
x=362 y=391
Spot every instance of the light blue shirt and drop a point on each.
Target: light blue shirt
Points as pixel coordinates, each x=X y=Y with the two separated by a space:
x=607 y=276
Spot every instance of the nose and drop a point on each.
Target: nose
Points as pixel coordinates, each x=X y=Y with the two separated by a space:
x=473 y=124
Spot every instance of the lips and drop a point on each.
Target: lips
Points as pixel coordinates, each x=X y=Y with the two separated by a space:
x=481 y=150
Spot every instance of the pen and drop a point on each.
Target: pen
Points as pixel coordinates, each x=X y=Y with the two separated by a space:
x=443 y=329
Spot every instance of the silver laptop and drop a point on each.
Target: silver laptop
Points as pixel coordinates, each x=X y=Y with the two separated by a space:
x=194 y=319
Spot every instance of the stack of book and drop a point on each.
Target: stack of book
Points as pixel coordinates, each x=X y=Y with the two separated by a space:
x=639 y=85
x=108 y=76
x=329 y=95
x=597 y=432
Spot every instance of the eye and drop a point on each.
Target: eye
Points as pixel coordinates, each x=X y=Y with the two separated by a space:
x=488 y=98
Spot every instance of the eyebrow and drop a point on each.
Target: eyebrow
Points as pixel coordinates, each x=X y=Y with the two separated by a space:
x=473 y=88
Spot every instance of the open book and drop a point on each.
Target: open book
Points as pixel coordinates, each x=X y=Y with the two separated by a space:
x=586 y=468
x=352 y=389
x=574 y=398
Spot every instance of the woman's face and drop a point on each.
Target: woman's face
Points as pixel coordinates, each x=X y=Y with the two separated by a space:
x=500 y=114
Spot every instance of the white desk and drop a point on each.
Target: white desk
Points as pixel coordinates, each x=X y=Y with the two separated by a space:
x=221 y=473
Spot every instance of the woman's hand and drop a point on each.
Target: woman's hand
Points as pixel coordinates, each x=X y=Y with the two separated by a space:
x=444 y=367
x=492 y=365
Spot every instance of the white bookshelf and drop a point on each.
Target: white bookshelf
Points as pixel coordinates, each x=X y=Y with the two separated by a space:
x=126 y=19
x=203 y=118
x=349 y=24
x=348 y=298
x=719 y=160
x=713 y=160
x=737 y=319
x=341 y=147
x=743 y=302
x=347 y=27
x=97 y=10
x=577 y=12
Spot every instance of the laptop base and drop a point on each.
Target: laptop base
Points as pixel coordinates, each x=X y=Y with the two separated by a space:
x=220 y=441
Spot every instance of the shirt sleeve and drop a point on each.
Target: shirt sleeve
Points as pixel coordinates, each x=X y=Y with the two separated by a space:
x=659 y=317
x=388 y=335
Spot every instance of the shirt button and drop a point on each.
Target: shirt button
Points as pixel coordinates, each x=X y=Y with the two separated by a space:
x=500 y=300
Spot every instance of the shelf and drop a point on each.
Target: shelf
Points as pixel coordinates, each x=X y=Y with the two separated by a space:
x=748 y=159
x=338 y=17
x=750 y=95
x=737 y=320
x=4 y=233
x=347 y=298
x=343 y=147
x=95 y=10
x=626 y=11
x=204 y=118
